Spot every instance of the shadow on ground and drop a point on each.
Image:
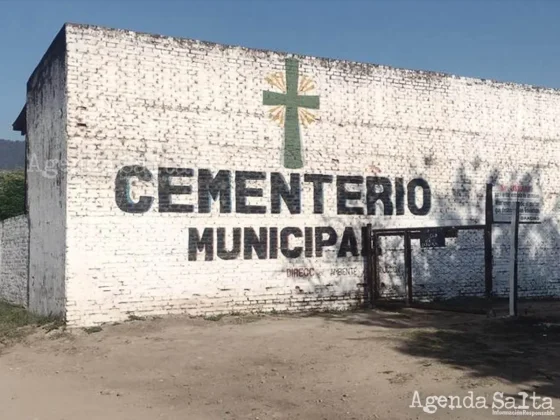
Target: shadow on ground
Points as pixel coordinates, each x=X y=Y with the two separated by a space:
x=521 y=350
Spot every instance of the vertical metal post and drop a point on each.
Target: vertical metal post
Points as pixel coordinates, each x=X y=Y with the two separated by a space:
x=408 y=266
x=366 y=246
x=513 y=261
x=488 y=259
x=375 y=275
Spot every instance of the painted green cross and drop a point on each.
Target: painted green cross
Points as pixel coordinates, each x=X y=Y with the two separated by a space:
x=292 y=101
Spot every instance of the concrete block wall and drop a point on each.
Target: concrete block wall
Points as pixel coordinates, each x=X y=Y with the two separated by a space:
x=14 y=253
x=242 y=221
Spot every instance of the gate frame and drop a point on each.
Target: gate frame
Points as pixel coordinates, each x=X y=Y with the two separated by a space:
x=408 y=234
x=371 y=248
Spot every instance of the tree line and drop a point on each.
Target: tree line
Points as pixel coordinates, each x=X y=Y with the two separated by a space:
x=12 y=193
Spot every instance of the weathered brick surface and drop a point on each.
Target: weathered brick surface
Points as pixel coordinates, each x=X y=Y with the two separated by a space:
x=14 y=240
x=137 y=99
x=46 y=180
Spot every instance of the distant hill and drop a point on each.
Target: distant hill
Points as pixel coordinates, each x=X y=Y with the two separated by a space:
x=12 y=154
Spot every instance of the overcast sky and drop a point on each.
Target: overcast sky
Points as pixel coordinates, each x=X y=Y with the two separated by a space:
x=507 y=40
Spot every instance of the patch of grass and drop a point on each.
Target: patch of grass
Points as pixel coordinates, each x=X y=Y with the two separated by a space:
x=61 y=334
x=328 y=312
x=92 y=330
x=54 y=325
x=216 y=317
x=15 y=319
x=133 y=317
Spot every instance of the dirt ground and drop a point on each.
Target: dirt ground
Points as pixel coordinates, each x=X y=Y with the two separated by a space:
x=352 y=365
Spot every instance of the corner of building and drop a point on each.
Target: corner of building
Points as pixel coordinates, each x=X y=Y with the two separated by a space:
x=46 y=110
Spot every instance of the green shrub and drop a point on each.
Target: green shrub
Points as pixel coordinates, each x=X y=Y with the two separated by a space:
x=12 y=194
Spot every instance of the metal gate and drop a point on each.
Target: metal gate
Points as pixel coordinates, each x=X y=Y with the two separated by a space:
x=397 y=267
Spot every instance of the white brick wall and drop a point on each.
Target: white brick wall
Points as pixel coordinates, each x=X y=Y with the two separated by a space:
x=14 y=240
x=137 y=99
